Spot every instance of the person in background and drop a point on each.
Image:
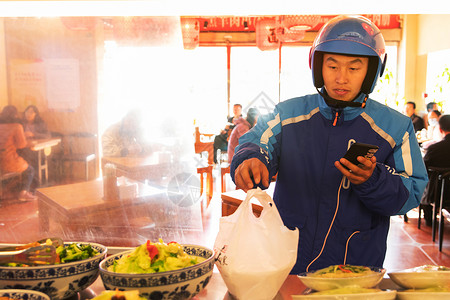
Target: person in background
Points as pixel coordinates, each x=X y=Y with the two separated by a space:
x=33 y=125
x=430 y=107
x=34 y=128
x=410 y=111
x=12 y=138
x=242 y=126
x=125 y=138
x=221 y=140
x=437 y=155
x=343 y=214
x=434 y=134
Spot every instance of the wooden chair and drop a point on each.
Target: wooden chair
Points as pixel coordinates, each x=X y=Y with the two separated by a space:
x=209 y=182
x=77 y=147
x=439 y=177
x=443 y=178
x=224 y=170
x=201 y=146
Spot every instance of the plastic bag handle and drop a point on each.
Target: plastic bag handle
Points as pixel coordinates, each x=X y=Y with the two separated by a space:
x=261 y=196
x=269 y=208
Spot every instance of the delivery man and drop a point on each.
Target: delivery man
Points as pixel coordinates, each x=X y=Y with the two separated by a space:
x=341 y=209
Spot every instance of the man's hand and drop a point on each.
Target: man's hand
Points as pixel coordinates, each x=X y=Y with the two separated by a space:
x=249 y=171
x=357 y=174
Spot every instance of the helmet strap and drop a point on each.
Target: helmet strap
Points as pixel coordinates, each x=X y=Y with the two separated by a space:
x=339 y=103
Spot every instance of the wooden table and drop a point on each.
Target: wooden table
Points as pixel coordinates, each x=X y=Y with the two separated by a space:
x=232 y=199
x=141 y=168
x=83 y=203
x=43 y=148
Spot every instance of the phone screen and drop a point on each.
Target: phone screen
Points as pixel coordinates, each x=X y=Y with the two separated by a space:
x=360 y=149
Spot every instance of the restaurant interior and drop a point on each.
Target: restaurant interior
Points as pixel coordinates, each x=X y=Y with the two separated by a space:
x=183 y=70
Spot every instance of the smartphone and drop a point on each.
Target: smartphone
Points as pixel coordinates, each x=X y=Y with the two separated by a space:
x=359 y=149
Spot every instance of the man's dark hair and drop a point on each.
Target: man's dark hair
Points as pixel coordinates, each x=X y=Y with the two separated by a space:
x=444 y=123
x=430 y=106
x=237 y=104
x=412 y=103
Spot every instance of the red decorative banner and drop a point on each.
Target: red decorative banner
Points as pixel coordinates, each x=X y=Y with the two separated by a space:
x=231 y=24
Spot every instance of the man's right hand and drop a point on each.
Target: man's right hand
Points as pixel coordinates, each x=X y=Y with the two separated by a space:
x=250 y=172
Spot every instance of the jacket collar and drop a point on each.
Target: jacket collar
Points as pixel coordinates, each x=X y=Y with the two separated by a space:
x=348 y=112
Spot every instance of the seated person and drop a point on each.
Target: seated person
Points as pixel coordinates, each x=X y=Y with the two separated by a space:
x=221 y=140
x=12 y=138
x=242 y=126
x=410 y=111
x=430 y=107
x=125 y=137
x=34 y=128
x=434 y=134
x=437 y=156
x=33 y=125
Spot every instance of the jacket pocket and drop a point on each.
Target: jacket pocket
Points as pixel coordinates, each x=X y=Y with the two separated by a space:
x=361 y=247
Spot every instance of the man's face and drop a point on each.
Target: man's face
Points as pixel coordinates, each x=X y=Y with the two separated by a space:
x=237 y=110
x=343 y=75
x=409 y=110
x=433 y=118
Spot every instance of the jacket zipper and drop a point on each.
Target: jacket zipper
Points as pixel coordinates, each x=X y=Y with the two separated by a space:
x=336 y=117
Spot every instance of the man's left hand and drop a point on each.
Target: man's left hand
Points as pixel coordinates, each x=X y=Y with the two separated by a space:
x=357 y=174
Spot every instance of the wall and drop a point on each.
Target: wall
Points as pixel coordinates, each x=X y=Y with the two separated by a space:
x=35 y=39
x=47 y=38
x=431 y=33
x=3 y=80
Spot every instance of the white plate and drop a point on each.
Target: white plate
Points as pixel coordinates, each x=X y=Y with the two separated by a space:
x=326 y=283
x=383 y=295
x=423 y=295
x=421 y=280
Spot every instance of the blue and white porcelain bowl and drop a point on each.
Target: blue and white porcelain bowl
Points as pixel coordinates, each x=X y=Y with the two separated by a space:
x=24 y=294
x=57 y=281
x=174 y=285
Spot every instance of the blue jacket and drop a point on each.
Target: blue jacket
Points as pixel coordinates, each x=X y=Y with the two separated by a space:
x=299 y=141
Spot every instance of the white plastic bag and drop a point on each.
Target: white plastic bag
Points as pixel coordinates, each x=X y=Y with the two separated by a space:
x=255 y=255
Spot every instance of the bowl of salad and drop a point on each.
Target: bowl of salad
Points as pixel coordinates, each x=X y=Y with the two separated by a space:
x=159 y=270
x=341 y=276
x=423 y=277
x=76 y=269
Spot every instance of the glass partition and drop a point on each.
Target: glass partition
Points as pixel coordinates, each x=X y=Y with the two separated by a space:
x=139 y=99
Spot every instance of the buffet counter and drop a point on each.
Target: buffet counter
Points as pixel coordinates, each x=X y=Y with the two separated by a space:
x=217 y=290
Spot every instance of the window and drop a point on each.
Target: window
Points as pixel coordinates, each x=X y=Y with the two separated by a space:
x=438 y=79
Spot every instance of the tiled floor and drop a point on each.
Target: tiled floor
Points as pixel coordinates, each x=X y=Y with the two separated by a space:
x=408 y=246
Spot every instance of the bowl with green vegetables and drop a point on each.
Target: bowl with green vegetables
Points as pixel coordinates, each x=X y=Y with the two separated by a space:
x=158 y=270
x=77 y=267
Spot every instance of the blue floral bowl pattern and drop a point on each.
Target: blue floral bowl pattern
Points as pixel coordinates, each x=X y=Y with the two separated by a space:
x=174 y=285
x=57 y=281
x=24 y=295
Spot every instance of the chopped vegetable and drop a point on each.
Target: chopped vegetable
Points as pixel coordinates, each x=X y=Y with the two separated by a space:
x=119 y=295
x=347 y=290
x=342 y=271
x=67 y=253
x=74 y=252
x=154 y=257
x=152 y=250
